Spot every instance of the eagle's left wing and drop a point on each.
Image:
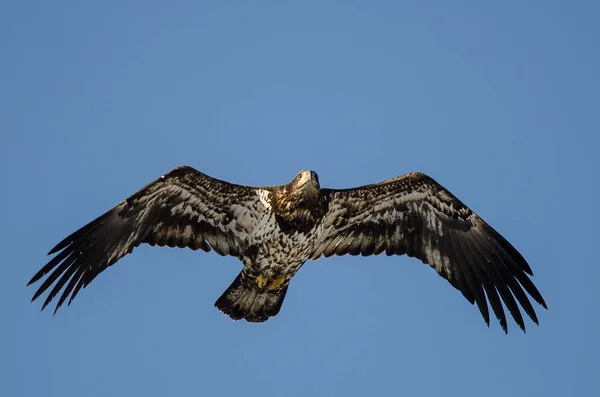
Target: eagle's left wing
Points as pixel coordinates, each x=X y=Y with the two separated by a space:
x=184 y=208
x=416 y=216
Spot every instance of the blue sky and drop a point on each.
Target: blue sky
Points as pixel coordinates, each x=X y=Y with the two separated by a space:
x=499 y=103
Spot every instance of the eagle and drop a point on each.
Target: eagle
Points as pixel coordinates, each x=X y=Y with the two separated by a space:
x=274 y=230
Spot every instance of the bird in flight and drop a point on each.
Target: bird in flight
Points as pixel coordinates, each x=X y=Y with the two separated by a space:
x=274 y=230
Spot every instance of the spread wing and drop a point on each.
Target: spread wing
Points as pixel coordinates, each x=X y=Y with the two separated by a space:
x=183 y=208
x=416 y=216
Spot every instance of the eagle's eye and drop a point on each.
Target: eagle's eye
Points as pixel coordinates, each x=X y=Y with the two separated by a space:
x=299 y=176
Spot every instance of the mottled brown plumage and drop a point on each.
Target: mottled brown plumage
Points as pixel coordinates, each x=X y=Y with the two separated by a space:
x=274 y=230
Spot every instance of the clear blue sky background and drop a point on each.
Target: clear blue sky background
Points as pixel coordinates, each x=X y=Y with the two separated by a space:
x=499 y=103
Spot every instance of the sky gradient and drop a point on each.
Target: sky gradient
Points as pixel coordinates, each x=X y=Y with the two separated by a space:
x=498 y=103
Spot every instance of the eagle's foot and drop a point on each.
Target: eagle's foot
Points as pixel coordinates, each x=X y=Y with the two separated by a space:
x=261 y=281
x=276 y=283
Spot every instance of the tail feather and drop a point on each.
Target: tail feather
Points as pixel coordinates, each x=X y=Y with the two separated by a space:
x=240 y=301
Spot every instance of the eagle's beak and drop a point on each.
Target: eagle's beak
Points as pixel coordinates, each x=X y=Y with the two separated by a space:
x=314 y=178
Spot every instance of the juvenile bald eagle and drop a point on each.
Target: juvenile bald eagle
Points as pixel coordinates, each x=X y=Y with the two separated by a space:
x=274 y=230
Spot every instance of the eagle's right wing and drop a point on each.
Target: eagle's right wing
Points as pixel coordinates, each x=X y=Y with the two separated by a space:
x=414 y=215
x=184 y=208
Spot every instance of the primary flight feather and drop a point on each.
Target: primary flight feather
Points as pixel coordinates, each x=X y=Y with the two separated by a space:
x=274 y=230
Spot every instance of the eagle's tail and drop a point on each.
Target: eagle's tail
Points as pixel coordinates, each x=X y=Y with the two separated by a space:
x=240 y=301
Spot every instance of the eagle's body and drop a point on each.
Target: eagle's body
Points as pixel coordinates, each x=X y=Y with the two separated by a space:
x=274 y=230
x=280 y=244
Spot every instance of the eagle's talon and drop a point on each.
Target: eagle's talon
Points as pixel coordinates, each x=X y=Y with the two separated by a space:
x=261 y=281
x=276 y=283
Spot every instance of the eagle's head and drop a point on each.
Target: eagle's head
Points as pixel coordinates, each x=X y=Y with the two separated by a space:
x=306 y=181
x=304 y=192
x=300 y=202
